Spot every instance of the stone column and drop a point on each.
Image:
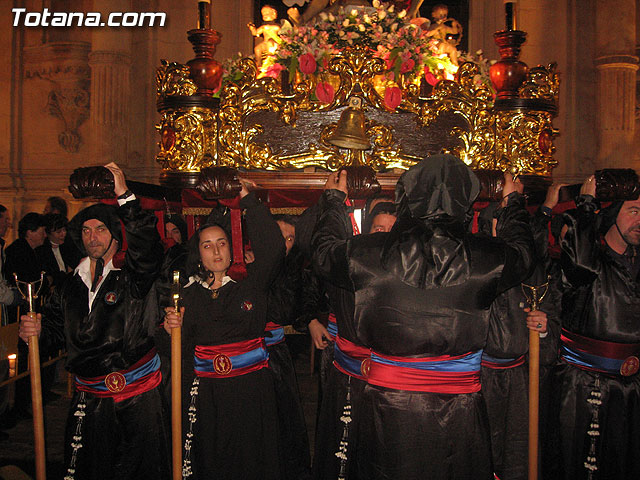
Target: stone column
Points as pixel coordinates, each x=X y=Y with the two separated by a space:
x=110 y=62
x=616 y=67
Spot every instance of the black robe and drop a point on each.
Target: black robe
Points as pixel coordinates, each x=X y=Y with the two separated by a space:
x=283 y=306
x=126 y=439
x=603 y=303
x=398 y=312
x=235 y=433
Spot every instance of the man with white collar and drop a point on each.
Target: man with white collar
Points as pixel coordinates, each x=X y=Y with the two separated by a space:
x=115 y=427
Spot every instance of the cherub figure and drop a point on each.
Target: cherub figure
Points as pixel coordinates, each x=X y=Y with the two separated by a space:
x=441 y=28
x=328 y=6
x=268 y=30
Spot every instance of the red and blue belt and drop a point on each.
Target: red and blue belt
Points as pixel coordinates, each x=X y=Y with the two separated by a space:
x=332 y=327
x=599 y=355
x=274 y=334
x=231 y=359
x=501 y=363
x=142 y=376
x=351 y=359
x=445 y=374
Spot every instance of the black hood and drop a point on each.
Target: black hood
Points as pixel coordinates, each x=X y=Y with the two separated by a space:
x=107 y=214
x=439 y=186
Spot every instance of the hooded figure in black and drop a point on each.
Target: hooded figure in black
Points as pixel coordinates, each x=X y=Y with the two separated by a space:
x=596 y=380
x=422 y=294
x=102 y=314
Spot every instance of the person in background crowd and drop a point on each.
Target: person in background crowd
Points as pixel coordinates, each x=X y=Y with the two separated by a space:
x=115 y=427
x=422 y=293
x=283 y=307
x=56 y=205
x=58 y=255
x=596 y=381
x=22 y=259
x=8 y=297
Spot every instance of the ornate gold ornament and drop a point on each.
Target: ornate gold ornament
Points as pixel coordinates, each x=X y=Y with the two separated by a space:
x=271 y=124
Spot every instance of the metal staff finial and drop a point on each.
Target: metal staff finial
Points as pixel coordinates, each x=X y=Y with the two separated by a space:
x=29 y=295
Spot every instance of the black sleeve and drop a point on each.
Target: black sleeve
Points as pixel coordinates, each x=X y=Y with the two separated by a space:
x=514 y=229
x=144 y=250
x=306 y=225
x=52 y=335
x=581 y=253
x=330 y=241
x=313 y=301
x=266 y=241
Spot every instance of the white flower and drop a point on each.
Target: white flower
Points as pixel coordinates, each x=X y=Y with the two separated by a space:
x=323 y=16
x=345 y=23
x=394 y=27
x=382 y=14
x=402 y=14
x=332 y=18
x=366 y=18
x=354 y=12
x=361 y=28
x=376 y=3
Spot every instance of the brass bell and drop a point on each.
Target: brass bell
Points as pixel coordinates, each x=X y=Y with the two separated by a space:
x=350 y=131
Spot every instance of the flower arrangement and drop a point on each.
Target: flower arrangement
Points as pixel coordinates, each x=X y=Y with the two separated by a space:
x=407 y=50
x=404 y=46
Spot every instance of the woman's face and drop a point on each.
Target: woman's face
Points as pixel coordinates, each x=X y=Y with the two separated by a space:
x=173 y=232
x=215 y=253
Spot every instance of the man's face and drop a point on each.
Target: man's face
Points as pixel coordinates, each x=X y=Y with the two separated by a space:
x=96 y=238
x=289 y=234
x=36 y=237
x=629 y=222
x=5 y=223
x=382 y=223
x=58 y=236
x=173 y=232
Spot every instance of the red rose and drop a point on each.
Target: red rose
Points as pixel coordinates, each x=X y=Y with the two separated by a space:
x=307 y=63
x=325 y=92
x=407 y=65
x=392 y=97
x=430 y=77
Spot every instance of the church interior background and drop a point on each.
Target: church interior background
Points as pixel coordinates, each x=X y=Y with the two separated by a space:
x=74 y=97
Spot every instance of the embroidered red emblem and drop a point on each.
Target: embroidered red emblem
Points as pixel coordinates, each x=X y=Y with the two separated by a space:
x=115 y=382
x=110 y=298
x=247 y=305
x=365 y=367
x=222 y=364
x=630 y=366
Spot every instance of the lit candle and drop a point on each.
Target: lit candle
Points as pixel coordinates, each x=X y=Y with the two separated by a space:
x=510 y=14
x=12 y=365
x=204 y=14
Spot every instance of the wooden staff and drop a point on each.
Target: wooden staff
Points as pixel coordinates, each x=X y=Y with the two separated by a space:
x=176 y=384
x=36 y=382
x=534 y=295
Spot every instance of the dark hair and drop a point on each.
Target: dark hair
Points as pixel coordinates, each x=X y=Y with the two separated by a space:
x=286 y=218
x=59 y=204
x=179 y=222
x=2 y=209
x=30 y=222
x=54 y=221
x=193 y=264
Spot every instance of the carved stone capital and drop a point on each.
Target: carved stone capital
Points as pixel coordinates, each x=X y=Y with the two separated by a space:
x=66 y=66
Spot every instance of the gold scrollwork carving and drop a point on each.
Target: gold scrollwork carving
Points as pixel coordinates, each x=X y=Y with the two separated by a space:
x=188 y=140
x=173 y=79
x=473 y=103
x=525 y=142
x=542 y=82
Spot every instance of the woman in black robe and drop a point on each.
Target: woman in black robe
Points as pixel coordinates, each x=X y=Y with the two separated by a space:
x=231 y=428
